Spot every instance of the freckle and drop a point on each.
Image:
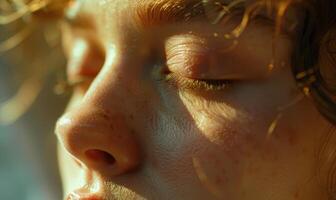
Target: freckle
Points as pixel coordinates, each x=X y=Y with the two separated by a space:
x=236 y=161
x=304 y=150
x=105 y=116
x=274 y=157
x=218 y=180
x=292 y=140
x=131 y=116
x=119 y=136
x=248 y=155
x=216 y=161
x=243 y=193
x=111 y=126
x=296 y=195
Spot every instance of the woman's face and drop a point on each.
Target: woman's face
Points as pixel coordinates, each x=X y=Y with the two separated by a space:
x=167 y=106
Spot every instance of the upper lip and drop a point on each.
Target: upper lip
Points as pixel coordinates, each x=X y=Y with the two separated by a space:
x=92 y=190
x=87 y=192
x=83 y=195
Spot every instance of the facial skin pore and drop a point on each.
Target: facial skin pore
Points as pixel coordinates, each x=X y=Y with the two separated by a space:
x=140 y=127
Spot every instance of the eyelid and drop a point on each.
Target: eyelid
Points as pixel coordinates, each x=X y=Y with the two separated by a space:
x=184 y=83
x=201 y=59
x=187 y=55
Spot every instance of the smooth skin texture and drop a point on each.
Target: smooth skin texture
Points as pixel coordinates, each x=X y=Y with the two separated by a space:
x=139 y=127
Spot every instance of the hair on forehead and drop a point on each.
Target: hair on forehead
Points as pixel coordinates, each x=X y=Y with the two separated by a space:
x=145 y=9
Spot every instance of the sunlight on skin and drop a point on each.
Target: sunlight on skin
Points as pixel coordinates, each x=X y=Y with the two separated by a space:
x=210 y=115
x=210 y=185
x=187 y=127
x=207 y=135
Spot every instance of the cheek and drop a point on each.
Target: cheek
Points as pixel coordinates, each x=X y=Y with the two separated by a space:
x=219 y=155
x=206 y=159
x=205 y=147
x=232 y=145
x=182 y=149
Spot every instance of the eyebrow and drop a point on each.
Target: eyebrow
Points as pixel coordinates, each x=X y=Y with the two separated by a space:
x=160 y=12
x=149 y=13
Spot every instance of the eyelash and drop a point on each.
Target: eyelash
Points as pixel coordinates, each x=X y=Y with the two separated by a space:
x=185 y=83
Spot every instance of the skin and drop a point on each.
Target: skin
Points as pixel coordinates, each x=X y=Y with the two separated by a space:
x=130 y=134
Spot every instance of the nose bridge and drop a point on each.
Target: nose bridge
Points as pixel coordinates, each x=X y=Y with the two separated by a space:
x=114 y=85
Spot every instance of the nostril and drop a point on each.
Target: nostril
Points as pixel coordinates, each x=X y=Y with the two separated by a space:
x=99 y=156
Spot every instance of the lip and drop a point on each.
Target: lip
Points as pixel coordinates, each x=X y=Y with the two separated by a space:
x=82 y=195
x=88 y=191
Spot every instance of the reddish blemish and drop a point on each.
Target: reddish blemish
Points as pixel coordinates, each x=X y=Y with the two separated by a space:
x=296 y=195
x=218 y=180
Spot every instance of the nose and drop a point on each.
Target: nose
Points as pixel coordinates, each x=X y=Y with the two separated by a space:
x=100 y=140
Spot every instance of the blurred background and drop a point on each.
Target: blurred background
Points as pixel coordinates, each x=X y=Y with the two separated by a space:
x=30 y=67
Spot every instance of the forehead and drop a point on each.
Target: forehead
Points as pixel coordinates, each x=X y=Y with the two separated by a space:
x=169 y=10
x=112 y=17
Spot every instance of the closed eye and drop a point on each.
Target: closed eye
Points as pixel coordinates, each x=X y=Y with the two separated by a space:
x=185 y=83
